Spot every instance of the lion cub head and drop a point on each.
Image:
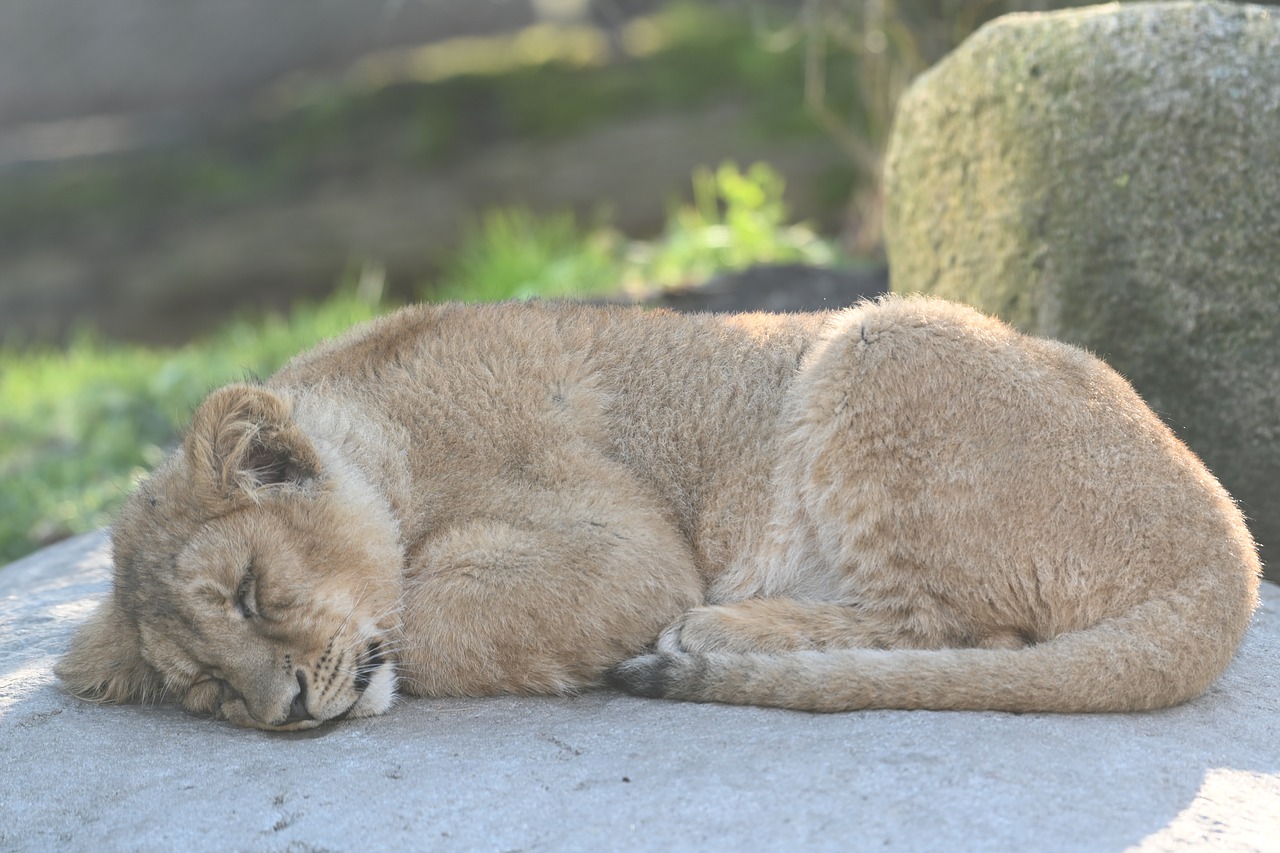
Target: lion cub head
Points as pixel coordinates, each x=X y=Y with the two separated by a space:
x=256 y=578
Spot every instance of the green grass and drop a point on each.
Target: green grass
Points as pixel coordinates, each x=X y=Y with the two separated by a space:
x=515 y=254
x=79 y=426
x=737 y=218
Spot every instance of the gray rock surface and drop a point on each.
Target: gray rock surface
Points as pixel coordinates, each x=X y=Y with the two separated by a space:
x=1110 y=176
x=606 y=771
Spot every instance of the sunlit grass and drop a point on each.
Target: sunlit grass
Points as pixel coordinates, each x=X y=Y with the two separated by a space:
x=79 y=426
x=515 y=254
x=736 y=219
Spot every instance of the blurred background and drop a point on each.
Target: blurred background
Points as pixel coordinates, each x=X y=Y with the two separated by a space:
x=164 y=165
x=193 y=190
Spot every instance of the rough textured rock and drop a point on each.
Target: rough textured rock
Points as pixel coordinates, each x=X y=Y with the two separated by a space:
x=1110 y=176
x=610 y=772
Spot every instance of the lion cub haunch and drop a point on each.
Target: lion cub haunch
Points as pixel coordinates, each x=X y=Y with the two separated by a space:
x=902 y=505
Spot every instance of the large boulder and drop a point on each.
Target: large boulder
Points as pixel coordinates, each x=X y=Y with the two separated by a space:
x=1110 y=176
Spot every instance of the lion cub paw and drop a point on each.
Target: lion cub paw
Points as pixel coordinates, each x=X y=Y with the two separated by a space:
x=673 y=639
x=729 y=628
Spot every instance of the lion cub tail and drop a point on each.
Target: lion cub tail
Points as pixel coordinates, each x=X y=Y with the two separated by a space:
x=1151 y=657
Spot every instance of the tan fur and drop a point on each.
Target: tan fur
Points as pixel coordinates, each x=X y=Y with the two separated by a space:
x=902 y=505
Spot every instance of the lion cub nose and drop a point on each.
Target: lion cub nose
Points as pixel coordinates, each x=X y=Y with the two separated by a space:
x=298 y=709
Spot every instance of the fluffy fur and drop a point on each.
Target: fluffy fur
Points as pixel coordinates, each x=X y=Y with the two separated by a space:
x=902 y=505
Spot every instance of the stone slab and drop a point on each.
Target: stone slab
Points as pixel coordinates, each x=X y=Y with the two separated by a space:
x=605 y=771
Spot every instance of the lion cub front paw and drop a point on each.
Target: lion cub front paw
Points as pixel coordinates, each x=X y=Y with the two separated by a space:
x=704 y=629
x=728 y=628
x=673 y=638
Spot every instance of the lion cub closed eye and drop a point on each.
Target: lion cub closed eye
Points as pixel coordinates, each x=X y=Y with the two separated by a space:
x=902 y=505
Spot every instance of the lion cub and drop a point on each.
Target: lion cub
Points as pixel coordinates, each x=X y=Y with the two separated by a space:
x=901 y=505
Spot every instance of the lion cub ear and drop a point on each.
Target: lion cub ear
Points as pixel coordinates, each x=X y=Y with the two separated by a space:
x=243 y=438
x=105 y=664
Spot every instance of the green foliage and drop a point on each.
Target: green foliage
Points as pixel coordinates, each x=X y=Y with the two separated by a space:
x=78 y=427
x=736 y=219
x=514 y=254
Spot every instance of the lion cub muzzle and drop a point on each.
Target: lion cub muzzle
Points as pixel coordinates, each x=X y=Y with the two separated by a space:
x=351 y=685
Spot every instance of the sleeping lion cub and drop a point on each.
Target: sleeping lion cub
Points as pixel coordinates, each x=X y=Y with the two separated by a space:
x=902 y=505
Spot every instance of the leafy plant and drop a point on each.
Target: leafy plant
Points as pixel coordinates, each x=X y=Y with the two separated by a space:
x=736 y=219
x=514 y=254
x=78 y=427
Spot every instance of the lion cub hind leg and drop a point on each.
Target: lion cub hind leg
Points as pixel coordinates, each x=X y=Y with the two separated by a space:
x=773 y=625
x=976 y=484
